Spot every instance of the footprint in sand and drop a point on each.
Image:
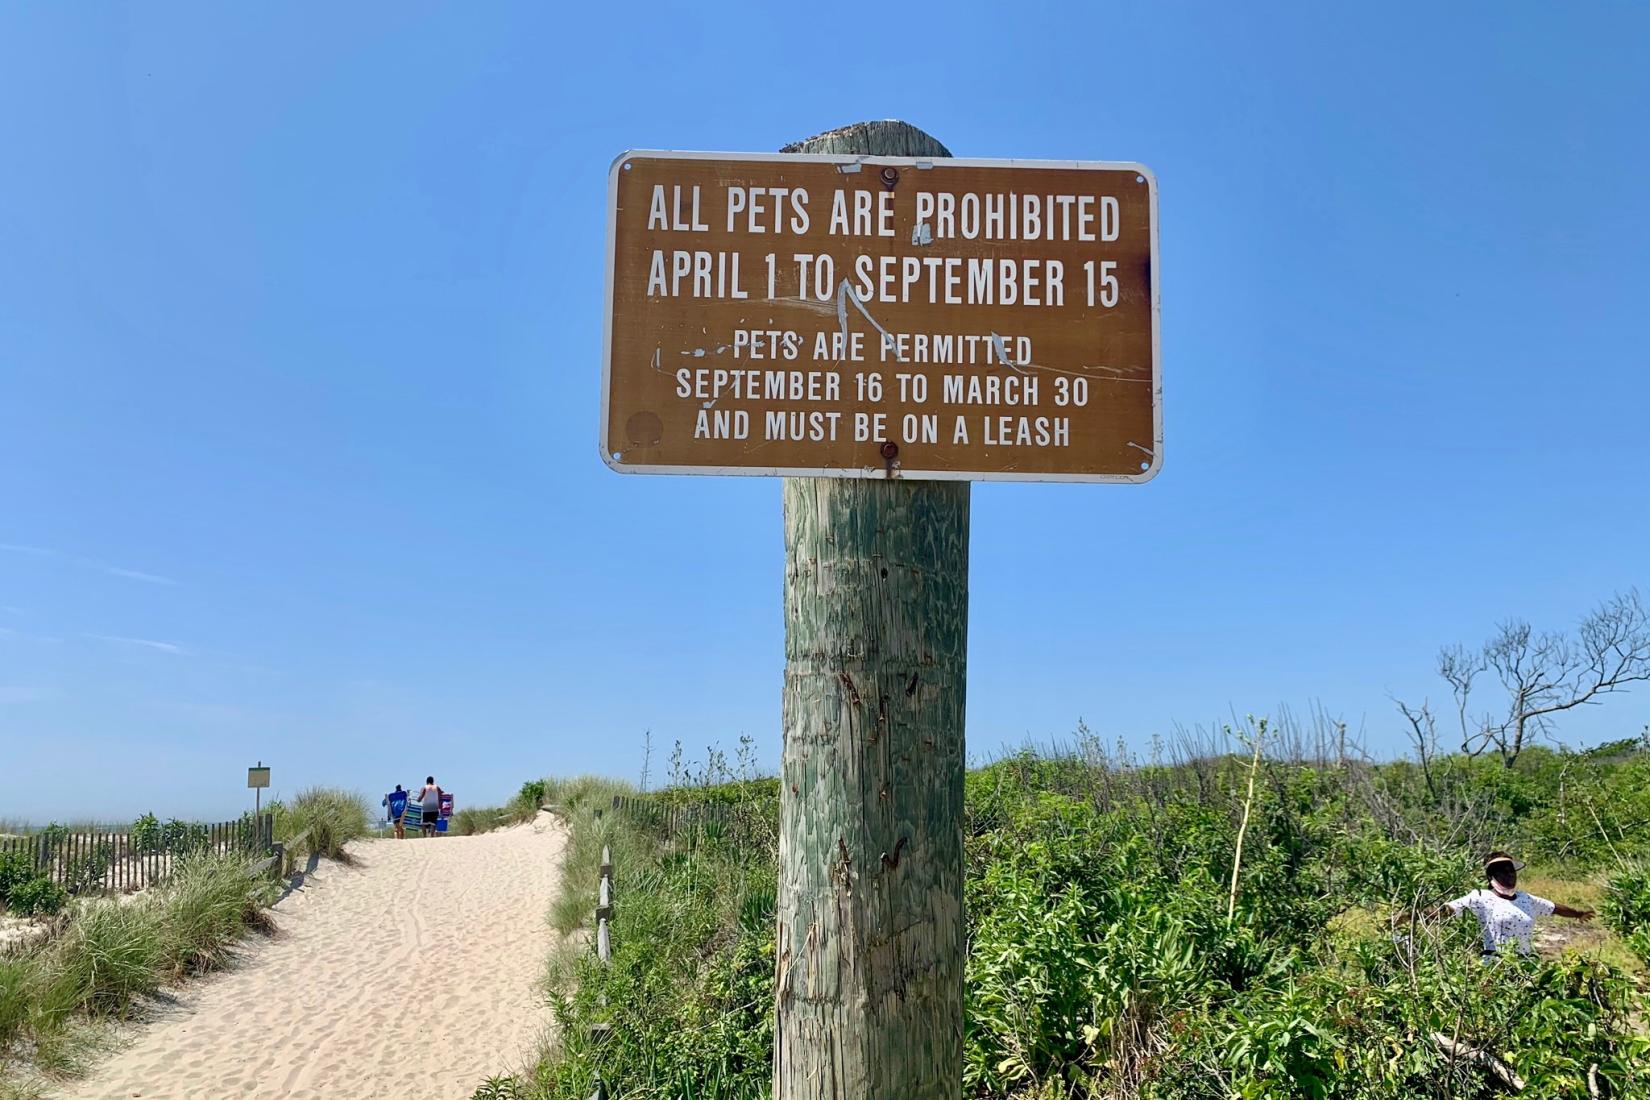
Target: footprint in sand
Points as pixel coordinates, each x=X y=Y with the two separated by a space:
x=412 y=973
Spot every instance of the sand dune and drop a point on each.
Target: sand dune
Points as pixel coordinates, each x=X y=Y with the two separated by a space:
x=412 y=973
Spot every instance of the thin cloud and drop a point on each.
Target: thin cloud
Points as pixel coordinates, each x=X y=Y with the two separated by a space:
x=145 y=643
x=137 y=575
x=90 y=563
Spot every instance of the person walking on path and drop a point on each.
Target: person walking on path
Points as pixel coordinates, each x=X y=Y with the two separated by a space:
x=1506 y=914
x=429 y=802
x=396 y=803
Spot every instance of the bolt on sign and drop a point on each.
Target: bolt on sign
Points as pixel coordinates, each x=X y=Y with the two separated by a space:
x=865 y=316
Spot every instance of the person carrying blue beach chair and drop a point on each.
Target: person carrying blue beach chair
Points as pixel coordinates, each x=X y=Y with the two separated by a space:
x=396 y=805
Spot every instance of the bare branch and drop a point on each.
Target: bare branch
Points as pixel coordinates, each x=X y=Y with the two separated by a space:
x=1424 y=733
x=1546 y=674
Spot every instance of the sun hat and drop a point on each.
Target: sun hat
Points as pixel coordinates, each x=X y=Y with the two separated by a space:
x=1502 y=857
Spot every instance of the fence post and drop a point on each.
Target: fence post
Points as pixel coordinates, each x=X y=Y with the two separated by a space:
x=604 y=949
x=604 y=909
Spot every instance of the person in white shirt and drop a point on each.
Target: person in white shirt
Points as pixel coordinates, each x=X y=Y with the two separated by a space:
x=429 y=805
x=1506 y=914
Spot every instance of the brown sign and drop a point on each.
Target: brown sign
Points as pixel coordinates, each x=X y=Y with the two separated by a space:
x=842 y=316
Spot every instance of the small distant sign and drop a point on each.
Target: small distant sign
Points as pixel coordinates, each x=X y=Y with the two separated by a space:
x=257 y=777
x=863 y=316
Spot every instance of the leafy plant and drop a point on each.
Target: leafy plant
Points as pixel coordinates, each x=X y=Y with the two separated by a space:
x=529 y=799
x=1100 y=960
x=184 y=837
x=16 y=868
x=1626 y=907
x=38 y=896
x=499 y=1088
x=146 y=835
x=86 y=872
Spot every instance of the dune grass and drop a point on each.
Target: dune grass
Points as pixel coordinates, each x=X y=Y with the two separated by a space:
x=524 y=805
x=472 y=820
x=111 y=953
x=574 y=907
x=677 y=975
x=328 y=817
x=572 y=911
x=16 y=978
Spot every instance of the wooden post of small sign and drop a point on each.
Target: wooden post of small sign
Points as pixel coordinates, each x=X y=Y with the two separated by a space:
x=257 y=778
x=869 y=995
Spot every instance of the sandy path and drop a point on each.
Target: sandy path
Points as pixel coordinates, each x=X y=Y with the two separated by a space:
x=362 y=993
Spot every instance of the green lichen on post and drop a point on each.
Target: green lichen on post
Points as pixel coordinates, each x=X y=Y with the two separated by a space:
x=869 y=997
x=870 y=947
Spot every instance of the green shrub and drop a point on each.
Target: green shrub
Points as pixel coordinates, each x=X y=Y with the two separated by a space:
x=183 y=837
x=528 y=801
x=689 y=992
x=16 y=868
x=85 y=873
x=38 y=896
x=1626 y=907
x=1100 y=961
x=499 y=1088
x=146 y=834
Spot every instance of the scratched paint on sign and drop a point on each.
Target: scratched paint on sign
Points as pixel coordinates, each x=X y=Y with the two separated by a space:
x=882 y=317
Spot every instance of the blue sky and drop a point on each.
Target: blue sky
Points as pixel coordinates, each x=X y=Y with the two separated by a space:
x=300 y=334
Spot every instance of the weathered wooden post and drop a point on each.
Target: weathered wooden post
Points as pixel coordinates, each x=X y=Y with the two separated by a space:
x=880 y=324
x=870 y=947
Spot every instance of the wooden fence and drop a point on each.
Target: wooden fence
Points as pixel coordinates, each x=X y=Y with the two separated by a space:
x=668 y=820
x=281 y=854
x=672 y=818
x=84 y=861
